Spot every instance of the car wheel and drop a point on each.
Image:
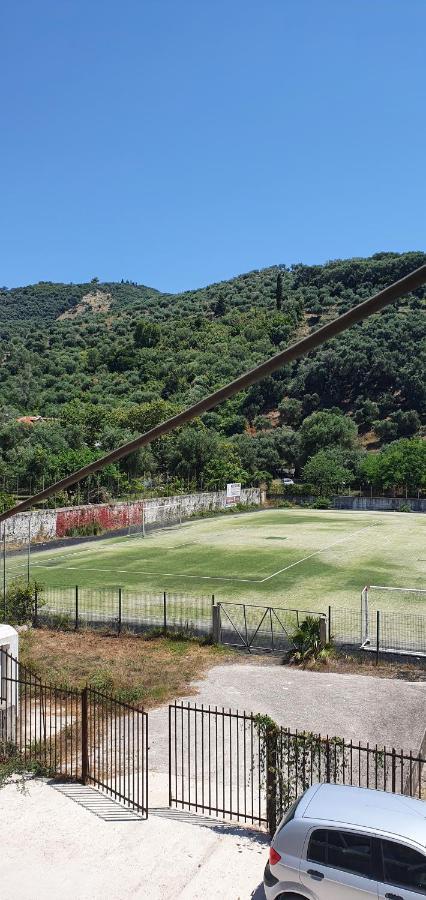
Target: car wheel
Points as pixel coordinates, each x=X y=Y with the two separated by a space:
x=292 y=897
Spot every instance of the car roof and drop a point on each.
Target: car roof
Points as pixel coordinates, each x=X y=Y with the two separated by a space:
x=390 y=814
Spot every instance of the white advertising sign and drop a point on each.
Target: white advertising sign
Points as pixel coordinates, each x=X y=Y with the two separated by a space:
x=233 y=493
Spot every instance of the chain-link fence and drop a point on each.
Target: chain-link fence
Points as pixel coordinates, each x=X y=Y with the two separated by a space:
x=123 y=609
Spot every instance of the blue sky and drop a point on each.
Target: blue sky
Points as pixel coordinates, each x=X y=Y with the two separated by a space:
x=180 y=142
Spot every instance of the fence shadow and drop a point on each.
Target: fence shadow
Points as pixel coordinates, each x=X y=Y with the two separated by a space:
x=99 y=804
x=190 y=818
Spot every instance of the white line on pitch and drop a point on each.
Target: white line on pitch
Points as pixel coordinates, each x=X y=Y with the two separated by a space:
x=163 y=574
x=322 y=550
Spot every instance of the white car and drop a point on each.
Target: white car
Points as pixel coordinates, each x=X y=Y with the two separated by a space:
x=288 y=481
x=346 y=843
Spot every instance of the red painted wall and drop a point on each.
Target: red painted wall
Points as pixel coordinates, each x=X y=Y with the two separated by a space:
x=111 y=518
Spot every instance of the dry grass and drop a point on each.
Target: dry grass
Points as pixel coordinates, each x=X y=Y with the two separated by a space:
x=365 y=664
x=143 y=671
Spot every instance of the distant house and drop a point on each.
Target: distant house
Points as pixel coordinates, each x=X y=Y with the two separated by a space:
x=30 y=420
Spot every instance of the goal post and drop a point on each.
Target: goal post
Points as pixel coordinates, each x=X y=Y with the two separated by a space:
x=401 y=612
x=365 y=629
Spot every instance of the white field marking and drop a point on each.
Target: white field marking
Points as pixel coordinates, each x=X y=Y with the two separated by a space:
x=163 y=574
x=219 y=577
x=316 y=552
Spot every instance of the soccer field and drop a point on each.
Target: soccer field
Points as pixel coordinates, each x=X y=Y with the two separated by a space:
x=299 y=558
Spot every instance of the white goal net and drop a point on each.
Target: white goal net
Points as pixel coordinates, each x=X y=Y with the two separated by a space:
x=393 y=618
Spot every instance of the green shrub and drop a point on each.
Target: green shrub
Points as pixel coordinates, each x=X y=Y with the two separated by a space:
x=21 y=601
x=321 y=503
x=91 y=528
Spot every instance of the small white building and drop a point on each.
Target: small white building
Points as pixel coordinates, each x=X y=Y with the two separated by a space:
x=9 y=647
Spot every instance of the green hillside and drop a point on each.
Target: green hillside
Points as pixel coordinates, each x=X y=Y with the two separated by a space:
x=103 y=361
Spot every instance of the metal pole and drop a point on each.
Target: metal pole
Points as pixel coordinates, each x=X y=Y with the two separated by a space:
x=165 y=612
x=377 y=636
x=143 y=518
x=4 y=571
x=369 y=307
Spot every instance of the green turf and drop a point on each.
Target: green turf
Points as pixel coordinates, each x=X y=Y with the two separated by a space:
x=303 y=558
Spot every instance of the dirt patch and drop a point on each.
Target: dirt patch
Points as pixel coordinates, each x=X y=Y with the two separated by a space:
x=147 y=671
x=95 y=302
x=363 y=664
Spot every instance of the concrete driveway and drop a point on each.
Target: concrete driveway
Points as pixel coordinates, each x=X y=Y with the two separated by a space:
x=91 y=849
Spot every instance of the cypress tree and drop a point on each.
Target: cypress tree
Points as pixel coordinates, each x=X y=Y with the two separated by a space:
x=279 y=291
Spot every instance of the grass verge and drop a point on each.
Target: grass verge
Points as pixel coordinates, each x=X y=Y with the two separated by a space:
x=150 y=671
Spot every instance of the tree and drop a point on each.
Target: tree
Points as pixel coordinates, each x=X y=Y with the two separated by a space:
x=326 y=429
x=290 y=411
x=220 y=307
x=279 y=291
x=326 y=471
x=146 y=333
x=224 y=468
x=401 y=464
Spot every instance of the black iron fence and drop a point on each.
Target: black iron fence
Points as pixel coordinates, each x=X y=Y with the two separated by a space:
x=243 y=767
x=82 y=735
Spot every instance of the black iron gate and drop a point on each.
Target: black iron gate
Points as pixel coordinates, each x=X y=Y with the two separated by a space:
x=216 y=763
x=81 y=735
x=266 y=628
x=115 y=749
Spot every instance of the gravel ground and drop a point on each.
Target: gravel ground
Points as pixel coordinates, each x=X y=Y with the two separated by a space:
x=91 y=849
x=379 y=710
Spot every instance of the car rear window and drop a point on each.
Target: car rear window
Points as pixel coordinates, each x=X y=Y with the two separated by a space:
x=290 y=814
x=344 y=850
x=404 y=867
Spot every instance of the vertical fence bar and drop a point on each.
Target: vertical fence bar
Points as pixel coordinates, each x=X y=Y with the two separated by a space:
x=84 y=738
x=35 y=618
x=329 y=624
x=76 y=607
x=165 y=612
x=4 y=573
x=271 y=779
x=377 y=636
x=119 y=610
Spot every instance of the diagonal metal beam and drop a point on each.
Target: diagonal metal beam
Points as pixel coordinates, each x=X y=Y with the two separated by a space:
x=373 y=305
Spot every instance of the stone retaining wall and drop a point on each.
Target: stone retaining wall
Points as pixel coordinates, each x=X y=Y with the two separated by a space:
x=50 y=524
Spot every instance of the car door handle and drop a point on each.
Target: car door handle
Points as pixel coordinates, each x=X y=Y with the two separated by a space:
x=393 y=897
x=315 y=874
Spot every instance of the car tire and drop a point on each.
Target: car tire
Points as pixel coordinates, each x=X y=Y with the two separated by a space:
x=291 y=897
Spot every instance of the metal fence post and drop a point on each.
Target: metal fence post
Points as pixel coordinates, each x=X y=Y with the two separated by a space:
x=377 y=636
x=119 y=610
x=165 y=612
x=35 y=607
x=271 y=748
x=76 y=607
x=322 y=632
x=84 y=738
x=216 y=624
x=329 y=624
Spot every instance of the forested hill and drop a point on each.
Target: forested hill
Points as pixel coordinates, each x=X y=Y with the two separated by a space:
x=103 y=361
